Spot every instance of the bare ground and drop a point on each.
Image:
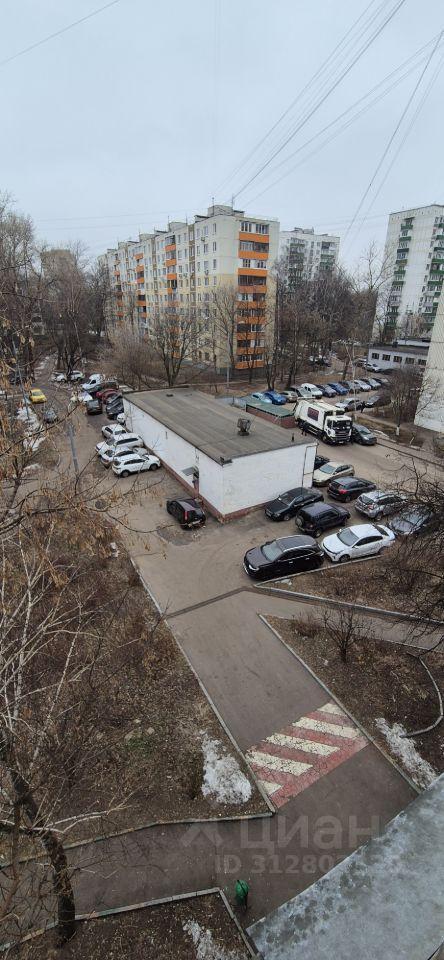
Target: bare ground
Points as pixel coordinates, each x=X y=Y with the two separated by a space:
x=380 y=680
x=164 y=932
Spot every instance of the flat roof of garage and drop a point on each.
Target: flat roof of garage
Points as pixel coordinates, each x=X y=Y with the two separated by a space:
x=209 y=425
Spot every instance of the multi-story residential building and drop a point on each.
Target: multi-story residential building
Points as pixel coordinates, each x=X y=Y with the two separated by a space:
x=309 y=253
x=431 y=405
x=182 y=267
x=414 y=260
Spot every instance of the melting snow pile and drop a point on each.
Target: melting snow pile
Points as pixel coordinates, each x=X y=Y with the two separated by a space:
x=404 y=748
x=223 y=778
x=206 y=948
x=32 y=426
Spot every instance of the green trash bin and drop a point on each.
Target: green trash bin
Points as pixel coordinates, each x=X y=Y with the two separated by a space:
x=241 y=893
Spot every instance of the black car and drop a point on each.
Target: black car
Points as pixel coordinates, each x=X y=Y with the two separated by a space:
x=327 y=391
x=319 y=461
x=350 y=405
x=288 y=504
x=321 y=516
x=188 y=512
x=279 y=558
x=349 y=488
x=50 y=415
x=114 y=407
x=94 y=406
x=361 y=434
x=415 y=521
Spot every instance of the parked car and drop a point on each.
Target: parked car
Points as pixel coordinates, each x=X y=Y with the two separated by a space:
x=359 y=540
x=350 y=405
x=93 y=382
x=339 y=388
x=187 y=511
x=50 y=415
x=380 y=503
x=110 y=431
x=94 y=406
x=372 y=366
x=326 y=390
x=75 y=376
x=262 y=397
x=379 y=400
x=309 y=391
x=319 y=517
x=330 y=471
x=383 y=381
x=279 y=558
x=111 y=452
x=288 y=504
x=412 y=522
x=319 y=361
x=361 y=434
x=37 y=396
x=58 y=377
x=290 y=396
x=104 y=385
x=357 y=386
x=275 y=397
x=319 y=461
x=114 y=408
x=126 y=439
x=134 y=462
x=348 y=488
x=365 y=384
x=373 y=383
x=348 y=384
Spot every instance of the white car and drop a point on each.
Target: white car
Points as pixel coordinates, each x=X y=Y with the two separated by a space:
x=75 y=376
x=359 y=540
x=309 y=391
x=362 y=385
x=124 y=441
x=58 y=377
x=109 y=453
x=111 y=430
x=330 y=471
x=134 y=462
x=291 y=395
x=374 y=367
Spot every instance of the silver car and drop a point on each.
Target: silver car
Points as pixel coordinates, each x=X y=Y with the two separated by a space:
x=380 y=503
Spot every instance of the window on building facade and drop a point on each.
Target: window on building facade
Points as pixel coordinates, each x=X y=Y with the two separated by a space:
x=421 y=363
x=386 y=356
x=397 y=359
x=246 y=226
x=214 y=228
x=262 y=228
x=214 y=246
x=214 y=264
x=409 y=360
x=246 y=263
x=375 y=356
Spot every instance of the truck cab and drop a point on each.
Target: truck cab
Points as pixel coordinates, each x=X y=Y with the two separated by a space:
x=324 y=420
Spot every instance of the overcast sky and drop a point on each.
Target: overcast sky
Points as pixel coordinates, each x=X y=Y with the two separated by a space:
x=146 y=110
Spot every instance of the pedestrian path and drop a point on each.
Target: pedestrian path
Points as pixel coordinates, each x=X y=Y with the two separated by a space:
x=288 y=762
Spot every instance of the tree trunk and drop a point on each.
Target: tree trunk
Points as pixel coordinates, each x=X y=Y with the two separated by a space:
x=66 y=911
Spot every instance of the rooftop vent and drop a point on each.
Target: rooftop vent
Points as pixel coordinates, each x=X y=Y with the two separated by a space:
x=243 y=426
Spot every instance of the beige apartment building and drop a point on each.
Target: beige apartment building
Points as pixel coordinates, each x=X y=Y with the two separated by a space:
x=181 y=268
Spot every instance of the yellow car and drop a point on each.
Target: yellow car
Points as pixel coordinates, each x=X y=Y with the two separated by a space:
x=37 y=396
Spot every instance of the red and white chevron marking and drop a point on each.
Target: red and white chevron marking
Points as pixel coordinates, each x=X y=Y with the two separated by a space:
x=290 y=761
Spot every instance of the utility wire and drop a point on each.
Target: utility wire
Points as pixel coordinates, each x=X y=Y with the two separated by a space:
x=322 y=100
x=298 y=97
x=393 y=135
x=58 y=33
x=407 y=67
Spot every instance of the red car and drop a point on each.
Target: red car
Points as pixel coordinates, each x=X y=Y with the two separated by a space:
x=105 y=395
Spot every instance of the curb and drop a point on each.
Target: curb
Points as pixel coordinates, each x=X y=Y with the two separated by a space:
x=341 y=705
x=113 y=911
x=260 y=789
x=394 y=615
x=411 y=452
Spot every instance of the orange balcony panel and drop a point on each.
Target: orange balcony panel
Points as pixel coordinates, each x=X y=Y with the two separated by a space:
x=257 y=237
x=172 y=276
x=253 y=254
x=141 y=280
x=171 y=262
x=138 y=256
x=170 y=246
x=243 y=365
x=258 y=288
x=252 y=272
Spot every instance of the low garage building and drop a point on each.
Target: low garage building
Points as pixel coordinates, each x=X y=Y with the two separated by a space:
x=198 y=440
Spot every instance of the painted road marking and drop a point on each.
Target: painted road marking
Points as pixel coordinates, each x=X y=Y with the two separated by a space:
x=338 y=730
x=276 y=763
x=289 y=761
x=310 y=746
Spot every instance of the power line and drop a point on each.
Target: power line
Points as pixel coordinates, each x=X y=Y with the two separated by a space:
x=393 y=135
x=298 y=97
x=322 y=100
x=58 y=33
x=410 y=63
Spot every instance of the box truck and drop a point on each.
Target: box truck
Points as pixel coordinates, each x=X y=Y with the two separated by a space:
x=324 y=420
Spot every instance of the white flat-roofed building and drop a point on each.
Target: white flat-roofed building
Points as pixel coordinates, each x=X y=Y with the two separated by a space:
x=198 y=440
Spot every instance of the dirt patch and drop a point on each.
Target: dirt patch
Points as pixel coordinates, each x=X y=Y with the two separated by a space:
x=379 y=681
x=198 y=929
x=368 y=583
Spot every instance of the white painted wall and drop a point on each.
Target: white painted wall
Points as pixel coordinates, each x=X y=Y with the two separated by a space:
x=244 y=483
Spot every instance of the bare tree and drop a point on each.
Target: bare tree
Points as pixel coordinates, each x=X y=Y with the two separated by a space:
x=226 y=306
x=344 y=627
x=174 y=337
x=410 y=392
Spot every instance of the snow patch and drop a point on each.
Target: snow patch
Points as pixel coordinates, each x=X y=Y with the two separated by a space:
x=206 y=948
x=33 y=428
x=421 y=772
x=223 y=777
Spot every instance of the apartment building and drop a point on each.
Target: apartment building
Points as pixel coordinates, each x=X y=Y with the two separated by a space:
x=181 y=268
x=414 y=258
x=309 y=253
